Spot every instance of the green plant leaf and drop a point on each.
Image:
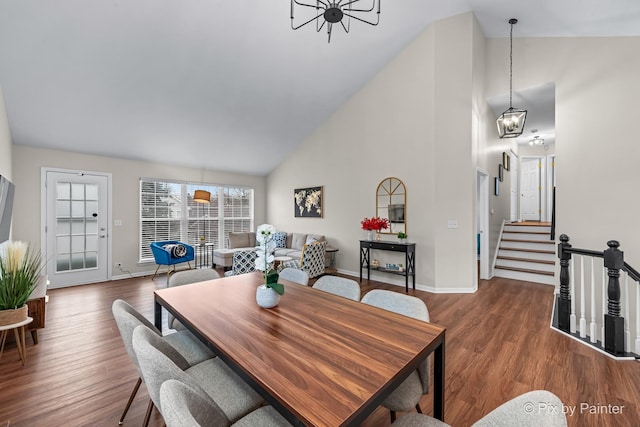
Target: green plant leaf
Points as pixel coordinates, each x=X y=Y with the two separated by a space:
x=271 y=277
x=278 y=287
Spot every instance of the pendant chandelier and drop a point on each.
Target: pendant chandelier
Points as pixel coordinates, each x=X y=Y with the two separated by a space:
x=511 y=122
x=334 y=12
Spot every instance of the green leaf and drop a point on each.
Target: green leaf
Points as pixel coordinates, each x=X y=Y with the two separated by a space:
x=271 y=277
x=278 y=287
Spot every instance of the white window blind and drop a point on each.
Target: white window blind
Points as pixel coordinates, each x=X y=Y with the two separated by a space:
x=168 y=212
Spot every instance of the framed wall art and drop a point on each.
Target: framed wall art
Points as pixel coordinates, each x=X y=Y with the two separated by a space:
x=501 y=173
x=496 y=189
x=307 y=202
x=505 y=160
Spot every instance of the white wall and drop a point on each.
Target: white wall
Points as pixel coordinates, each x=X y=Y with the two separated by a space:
x=597 y=153
x=411 y=121
x=126 y=174
x=5 y=141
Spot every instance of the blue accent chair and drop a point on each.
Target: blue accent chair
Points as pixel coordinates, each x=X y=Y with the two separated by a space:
x=163 y=256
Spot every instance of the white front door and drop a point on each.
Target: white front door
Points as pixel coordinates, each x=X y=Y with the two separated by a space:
x=530 y=189
x=76 y=232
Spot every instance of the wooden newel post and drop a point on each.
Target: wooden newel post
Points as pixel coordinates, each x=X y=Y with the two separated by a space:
x=564 y=299
x=613 y=323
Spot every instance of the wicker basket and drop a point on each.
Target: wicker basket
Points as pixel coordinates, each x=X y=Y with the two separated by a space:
x=9 y=317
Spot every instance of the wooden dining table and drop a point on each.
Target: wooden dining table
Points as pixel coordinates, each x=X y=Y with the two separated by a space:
x=318 y=358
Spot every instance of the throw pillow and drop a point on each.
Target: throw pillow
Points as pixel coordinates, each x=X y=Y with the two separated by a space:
x=280 y=239
x=311 y=239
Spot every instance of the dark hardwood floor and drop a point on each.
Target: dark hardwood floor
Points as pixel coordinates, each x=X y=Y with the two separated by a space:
x=499 y=345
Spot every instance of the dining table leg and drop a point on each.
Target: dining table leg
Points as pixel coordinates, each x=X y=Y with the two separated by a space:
x=438 y=382
x=157 y=315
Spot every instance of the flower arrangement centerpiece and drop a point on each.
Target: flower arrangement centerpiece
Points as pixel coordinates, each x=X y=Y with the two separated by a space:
x=374 y=224
x=265 y=260
x=19 y=273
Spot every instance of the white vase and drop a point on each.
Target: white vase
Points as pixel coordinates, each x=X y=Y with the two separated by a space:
x=267 y=297
x=370 y=235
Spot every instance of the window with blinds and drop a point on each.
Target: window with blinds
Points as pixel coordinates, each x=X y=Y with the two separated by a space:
x=168 y=212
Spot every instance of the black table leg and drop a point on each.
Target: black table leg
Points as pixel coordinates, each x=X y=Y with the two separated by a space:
x=157 y=315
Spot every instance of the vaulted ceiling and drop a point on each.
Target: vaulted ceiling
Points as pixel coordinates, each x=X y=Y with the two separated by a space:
x=222 y=84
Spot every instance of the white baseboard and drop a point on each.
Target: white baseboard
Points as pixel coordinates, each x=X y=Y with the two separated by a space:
x=388 y=279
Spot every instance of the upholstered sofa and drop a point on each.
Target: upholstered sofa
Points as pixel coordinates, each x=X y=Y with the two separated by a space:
x=287 y=244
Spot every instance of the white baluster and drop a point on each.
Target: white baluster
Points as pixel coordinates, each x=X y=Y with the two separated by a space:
x=583 y=320
x=637 y=351
x=604 y=300
x=627 y=333
x=593 y=336
x=572 y=317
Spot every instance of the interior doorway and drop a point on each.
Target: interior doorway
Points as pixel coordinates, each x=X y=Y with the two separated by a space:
x=482 y=223
x=530 y=189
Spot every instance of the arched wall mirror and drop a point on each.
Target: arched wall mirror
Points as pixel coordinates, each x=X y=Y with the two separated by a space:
x=391 y=203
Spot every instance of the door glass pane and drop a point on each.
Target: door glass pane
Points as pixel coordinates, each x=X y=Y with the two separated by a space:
x=77 y=243
x=63 y=226
x=92 y=226
x=91 y=191
x=63 y=245
x=62 y=262
x=77 y=261
x=77 y=209
x=92 y=260
x=76 y=227
x=77 y=191
x=92 y=208
x=63 y=208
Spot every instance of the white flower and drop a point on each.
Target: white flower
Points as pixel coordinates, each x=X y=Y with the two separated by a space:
x=13 y=254
x=265 y=233
x=264 y=236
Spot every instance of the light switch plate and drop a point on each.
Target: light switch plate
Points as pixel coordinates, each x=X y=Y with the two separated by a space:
x=452 y=223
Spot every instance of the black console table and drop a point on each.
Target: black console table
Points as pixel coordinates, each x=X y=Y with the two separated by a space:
x=409 y=250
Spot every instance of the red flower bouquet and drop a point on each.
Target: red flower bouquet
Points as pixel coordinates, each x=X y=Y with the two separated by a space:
x=374 y=223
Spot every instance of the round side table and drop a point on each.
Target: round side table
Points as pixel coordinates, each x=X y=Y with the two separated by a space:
x=280 y=259
x=18 y=331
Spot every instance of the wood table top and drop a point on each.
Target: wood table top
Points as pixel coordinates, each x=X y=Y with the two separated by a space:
x=327 y=360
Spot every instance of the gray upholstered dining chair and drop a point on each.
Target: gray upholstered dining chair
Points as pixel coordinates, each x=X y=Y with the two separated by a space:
x=533 y=409
x=408 y=394
x=128 y=318
x=339 y=286
x=183 y=405
x=184 y=278
x=295 y=275
x=160 y=362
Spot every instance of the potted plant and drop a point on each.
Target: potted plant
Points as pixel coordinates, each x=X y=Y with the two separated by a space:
x=402 y=237
x=374 y=224
x=19 y=273
x=267 y=294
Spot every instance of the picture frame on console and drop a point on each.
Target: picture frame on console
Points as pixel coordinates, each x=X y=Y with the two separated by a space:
x=307 y=202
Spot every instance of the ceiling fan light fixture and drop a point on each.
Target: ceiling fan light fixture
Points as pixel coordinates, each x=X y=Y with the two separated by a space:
x=337 y=12
x=511 y=122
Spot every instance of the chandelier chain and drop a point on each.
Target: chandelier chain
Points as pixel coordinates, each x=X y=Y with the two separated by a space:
x=511 y=66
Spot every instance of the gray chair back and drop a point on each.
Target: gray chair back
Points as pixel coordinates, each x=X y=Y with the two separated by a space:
x=183 y=405
x=127 y=319
x=339 y=286
x=409 y=306
x=159 y=362
x=295 y=275
x=187 y=277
